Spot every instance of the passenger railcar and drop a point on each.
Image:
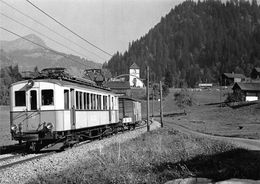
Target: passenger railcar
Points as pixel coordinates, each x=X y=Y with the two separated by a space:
x=129 y=111
x=51 y=109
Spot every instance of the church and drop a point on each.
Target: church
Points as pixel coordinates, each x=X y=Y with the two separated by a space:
x=134 y=76
x=125 y=83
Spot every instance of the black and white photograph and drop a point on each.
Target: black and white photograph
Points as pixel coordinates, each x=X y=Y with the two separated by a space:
x=130 y=91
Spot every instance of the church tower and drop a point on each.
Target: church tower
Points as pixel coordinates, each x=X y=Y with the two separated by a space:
x=134 y=77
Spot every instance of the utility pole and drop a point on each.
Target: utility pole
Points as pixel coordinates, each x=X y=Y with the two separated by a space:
x=220 y=92
x=147 y=92
x=153 y=104
x=161 y=108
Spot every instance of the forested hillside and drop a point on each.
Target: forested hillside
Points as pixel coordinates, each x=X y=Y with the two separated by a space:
x=196 y=42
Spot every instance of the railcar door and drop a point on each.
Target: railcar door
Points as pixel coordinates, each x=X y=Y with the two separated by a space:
x=72 y=110
x=33 y=116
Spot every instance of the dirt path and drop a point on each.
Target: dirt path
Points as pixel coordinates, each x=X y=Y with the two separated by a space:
x=241 y=142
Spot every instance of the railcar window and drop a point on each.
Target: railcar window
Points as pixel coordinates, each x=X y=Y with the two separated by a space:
x=19 y=97
x=80 y=100
x=77 y=100
x=105 y=102
x=92 y=101
x=47 y=97
x=84 y=100
x=95 y=102
x=66 y=99
x=88 y=101
x=98 y=102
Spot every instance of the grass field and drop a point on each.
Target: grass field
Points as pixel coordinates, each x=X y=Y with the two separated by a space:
x=159 y=156
x=212 y=119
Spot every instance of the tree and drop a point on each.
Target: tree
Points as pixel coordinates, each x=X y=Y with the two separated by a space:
x=168 y=80
x=8 y=75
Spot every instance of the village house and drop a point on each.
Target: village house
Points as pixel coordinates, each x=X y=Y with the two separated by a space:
x=231 y=78
x=250 y=91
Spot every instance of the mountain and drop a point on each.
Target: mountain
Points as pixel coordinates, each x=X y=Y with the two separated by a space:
x=22 y=44
x=28 y=55
x=197 y=42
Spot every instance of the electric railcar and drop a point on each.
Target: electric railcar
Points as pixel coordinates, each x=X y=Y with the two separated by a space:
x=51 y=109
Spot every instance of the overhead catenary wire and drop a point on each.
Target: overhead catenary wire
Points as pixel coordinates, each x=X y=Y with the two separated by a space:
x=42 y=34
x=46 y=48
x=69 y=29
x=43 y=25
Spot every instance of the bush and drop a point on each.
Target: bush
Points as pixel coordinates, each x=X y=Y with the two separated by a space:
x=183 y=98
x=234 y=97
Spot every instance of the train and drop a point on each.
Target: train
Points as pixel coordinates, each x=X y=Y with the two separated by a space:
x=57 y=107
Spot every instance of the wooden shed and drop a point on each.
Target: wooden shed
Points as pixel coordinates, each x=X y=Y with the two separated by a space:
x=250 y=91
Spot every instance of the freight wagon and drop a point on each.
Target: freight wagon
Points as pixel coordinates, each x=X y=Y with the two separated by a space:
x=129 y=111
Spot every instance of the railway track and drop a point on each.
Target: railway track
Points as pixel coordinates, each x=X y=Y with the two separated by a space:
x=13 y=160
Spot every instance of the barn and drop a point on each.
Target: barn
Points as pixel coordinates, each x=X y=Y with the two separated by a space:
x=255 y=74
x=231 y=78
x=249 y=91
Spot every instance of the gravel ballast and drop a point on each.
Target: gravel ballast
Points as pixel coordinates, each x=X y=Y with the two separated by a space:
x=59 y=162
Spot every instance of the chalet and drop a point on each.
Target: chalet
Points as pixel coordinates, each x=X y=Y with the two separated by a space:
x=231 y=78
x=255 y=74
x=249 y=91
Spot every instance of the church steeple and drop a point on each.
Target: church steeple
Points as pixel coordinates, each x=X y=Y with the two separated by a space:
x=134 y=76
x=134 y=66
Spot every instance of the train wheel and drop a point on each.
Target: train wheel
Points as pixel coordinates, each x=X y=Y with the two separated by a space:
x=115 y=130
x=33 y=146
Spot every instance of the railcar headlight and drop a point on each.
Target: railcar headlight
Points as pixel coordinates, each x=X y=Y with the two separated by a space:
x=14 y=128
x=49 y=126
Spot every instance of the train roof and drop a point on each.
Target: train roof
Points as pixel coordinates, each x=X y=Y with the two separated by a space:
x=65 y=82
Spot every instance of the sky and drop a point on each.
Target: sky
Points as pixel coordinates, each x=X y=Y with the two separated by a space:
x=108 y=24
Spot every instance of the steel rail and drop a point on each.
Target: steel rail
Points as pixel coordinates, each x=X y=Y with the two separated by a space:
x=25 y=160
x=8 y=158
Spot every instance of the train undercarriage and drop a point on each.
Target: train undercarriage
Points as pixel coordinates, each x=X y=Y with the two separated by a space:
x=36 y=141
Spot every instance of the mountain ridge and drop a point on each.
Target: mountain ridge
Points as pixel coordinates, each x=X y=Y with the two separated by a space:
x=28 y=56
x=22 y=44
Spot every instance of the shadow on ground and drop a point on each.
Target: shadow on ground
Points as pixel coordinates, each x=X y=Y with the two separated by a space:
x=237 y=163
x=15 y=148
